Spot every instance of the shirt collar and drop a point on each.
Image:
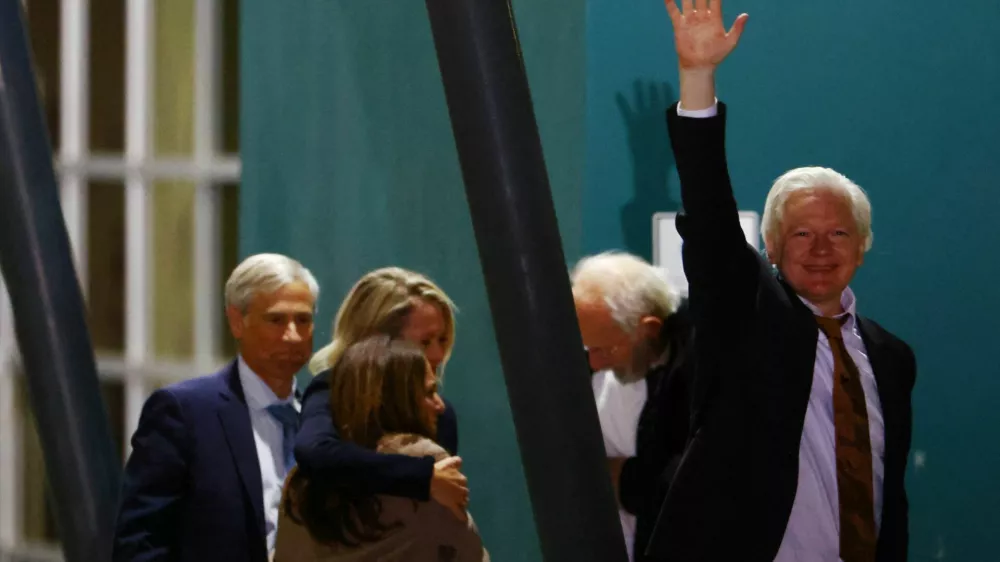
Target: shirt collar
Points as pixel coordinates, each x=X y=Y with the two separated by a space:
x=847 y=301
x=258 y=395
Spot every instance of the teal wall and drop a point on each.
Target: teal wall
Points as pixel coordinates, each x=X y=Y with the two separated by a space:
x=630 y=82
x=901 y=97
x=349 y=164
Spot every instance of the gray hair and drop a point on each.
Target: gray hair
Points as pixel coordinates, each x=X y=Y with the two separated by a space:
x=816 y=178
x=265 y=273
x=629 y=286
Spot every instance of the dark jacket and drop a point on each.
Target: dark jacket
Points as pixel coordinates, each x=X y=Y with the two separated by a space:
x=192 y=488
x=732 y=494
x=318 y=449
x=662 y=432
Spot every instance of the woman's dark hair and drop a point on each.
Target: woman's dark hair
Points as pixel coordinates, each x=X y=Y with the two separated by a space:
x=376 y=387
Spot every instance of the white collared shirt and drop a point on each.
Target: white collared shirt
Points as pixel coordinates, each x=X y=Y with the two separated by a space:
x=813 y=531
x=268 y=436
x=619 y=406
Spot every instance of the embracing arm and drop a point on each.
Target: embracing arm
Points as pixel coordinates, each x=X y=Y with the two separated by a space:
x=319 y=450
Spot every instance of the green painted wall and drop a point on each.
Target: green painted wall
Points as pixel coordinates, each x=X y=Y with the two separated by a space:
x=901 y=97
x=349 y=164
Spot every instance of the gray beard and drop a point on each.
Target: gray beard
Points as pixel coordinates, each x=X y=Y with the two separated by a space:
x=628 y=377
x=643 y=359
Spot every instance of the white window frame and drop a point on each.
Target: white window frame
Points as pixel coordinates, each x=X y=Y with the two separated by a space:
x=137 y=169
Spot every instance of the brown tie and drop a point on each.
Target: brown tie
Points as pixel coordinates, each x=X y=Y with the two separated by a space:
x=854 y=452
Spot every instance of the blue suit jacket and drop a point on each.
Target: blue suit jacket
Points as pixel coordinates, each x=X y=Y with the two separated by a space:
x=192 y=487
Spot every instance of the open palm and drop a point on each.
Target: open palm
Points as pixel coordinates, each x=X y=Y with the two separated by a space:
x=700 y=38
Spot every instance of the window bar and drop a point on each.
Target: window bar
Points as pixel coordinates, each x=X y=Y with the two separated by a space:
x=74 y=125
x=10 y=431
x=220 y=169
x=207 y=209
x=138 y=77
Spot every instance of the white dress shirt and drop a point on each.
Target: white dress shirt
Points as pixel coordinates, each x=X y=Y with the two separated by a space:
x=813 y=531
x=268 y=436
x=619 y=406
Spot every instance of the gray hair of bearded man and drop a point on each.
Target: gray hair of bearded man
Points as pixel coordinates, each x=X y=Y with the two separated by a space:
x=630 y=287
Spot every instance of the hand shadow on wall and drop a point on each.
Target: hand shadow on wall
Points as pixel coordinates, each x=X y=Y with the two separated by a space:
x=652 y=160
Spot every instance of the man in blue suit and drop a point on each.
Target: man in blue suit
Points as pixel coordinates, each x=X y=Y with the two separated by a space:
x=210 y=454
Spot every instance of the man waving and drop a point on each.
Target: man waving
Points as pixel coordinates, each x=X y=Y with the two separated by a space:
x=801 y=417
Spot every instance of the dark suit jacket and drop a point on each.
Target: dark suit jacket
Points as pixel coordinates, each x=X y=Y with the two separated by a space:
x=755 y=351
x=662 y=432
x=319 y=449
x=192 y=488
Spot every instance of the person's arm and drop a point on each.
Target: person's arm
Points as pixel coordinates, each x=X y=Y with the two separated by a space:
x=715 y=252
x=320 y=451
x=155 y=481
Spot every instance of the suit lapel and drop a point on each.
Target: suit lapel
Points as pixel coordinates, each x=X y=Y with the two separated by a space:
x=235 y=418
x=802 y=335
x=876 y=356
x=882 y=367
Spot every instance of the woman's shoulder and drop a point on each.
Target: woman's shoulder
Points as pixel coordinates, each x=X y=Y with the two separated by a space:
x=412 y=445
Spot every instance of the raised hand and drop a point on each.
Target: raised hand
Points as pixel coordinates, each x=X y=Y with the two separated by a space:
x=701 y=40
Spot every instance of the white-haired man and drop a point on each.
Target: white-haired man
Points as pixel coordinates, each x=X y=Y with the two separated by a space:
x=802 y=418
x=635 y=329
x=210 y=454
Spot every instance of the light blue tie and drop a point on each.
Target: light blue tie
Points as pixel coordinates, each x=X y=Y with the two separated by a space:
x=289 y=420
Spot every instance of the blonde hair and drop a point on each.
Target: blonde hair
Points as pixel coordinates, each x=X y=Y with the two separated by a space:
x=379 y=303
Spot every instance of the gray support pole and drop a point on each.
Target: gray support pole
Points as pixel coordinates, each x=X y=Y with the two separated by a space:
x=526 y=279
x=83 y=467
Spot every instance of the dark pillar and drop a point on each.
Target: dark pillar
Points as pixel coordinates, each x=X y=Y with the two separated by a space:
x=527 y=280
x=49 y=319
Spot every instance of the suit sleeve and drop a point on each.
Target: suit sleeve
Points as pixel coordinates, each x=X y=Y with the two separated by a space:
x=900 y=507
x=154 y=484
x=319 y=450
x=645 y=479
x=716 y=256
x=723 y=271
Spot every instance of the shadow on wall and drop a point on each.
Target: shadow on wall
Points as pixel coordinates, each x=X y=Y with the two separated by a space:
x=645 y=122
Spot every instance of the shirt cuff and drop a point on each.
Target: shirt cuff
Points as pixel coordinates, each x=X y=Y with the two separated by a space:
x=699 y=113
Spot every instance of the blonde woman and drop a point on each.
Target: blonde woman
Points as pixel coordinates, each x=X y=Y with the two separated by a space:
x=403 y=305
x=384 y=395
